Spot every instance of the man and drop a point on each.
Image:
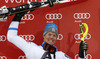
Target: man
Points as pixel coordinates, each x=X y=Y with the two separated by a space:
x=47 y=49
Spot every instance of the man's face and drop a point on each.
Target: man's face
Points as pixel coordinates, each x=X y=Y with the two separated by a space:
x=50 y=38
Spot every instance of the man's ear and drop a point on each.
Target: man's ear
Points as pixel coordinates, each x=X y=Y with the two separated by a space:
x=44 y=36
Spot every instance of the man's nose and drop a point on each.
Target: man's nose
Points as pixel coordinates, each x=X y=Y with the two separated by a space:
x=51 y=36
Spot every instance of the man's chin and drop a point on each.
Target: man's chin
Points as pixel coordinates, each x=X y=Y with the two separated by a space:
x=50 y=43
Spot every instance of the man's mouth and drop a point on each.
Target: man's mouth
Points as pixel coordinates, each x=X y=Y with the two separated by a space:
x=50 y=40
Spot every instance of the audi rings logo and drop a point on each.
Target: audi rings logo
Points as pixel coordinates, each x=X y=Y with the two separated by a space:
x=3 y=57
x=28 y=17
x=2 y=38
x=28 y=37
x=22 y=57
x=78 y=36
x=81 y=15
x=87 y=57
x=60 y=37
x=53 y=16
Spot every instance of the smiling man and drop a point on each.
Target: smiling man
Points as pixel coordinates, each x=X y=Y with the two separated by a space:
x=50 y=33
x=47 y=50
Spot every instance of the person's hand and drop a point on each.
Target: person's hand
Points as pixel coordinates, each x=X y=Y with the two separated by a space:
x=18 y=16
x=82 y=49
x=50 y=3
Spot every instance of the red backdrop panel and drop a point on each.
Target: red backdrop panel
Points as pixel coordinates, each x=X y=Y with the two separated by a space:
x=66 y=17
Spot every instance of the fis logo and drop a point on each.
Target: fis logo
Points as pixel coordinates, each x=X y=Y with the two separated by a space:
x=22 y=57
x=78 y=37
x=87 y=57
x=3 y=57
x=60 y=37
x=28 y=17
x=53 y=16
x=2 y=38
x=28 y=37
x=81 y=15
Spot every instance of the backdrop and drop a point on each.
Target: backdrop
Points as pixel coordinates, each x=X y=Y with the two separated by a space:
x=67 y=16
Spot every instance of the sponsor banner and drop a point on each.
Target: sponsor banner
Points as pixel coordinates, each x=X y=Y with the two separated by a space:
x=3 y=57
x=87 y=57
x=3 y=19
x=20 y=1
x=27 y=17
x=2 y=38
x=78 y=37
x=60 y=37
x=22 y=57
x=81 y=16
x=24 y=1
x=28 y=37
x=53 y=16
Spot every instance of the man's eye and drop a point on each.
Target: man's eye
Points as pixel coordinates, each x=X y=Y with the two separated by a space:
x=54 y=35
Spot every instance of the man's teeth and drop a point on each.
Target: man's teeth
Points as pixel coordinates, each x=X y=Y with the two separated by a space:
x=50 y=40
